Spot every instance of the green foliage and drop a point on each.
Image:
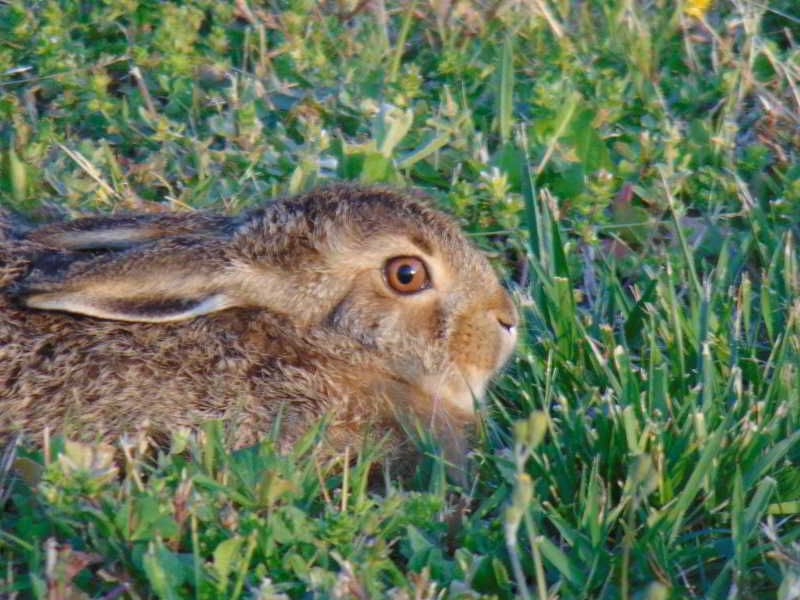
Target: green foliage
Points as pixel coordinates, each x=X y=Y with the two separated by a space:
x=633 y=169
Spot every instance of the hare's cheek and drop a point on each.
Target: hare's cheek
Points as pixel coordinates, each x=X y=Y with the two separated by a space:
x=418 y=331
x=374 y=320
x=400 y=323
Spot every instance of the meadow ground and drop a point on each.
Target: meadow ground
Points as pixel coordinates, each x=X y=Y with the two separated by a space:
x=631 y=166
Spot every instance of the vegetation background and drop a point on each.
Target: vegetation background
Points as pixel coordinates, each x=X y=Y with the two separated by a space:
x=631 y=165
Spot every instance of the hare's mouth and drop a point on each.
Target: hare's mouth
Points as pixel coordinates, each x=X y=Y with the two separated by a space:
x=457 y=389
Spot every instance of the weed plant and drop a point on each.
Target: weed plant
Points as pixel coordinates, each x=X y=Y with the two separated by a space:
x=631 y=166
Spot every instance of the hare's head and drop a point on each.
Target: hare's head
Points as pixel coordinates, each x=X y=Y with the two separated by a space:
x=384 y=268
x=374 y=265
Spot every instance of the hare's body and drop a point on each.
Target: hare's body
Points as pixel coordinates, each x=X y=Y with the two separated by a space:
x=306 y=307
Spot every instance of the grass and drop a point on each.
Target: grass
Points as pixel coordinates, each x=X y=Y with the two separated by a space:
x=632 y=167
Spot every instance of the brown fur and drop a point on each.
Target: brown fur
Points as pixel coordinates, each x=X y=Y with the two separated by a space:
x=111 y=324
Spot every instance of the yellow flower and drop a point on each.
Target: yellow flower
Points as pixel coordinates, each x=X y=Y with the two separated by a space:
x=696 y=8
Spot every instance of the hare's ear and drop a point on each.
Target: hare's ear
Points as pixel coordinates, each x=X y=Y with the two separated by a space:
x=152 y=284
x=120 y=233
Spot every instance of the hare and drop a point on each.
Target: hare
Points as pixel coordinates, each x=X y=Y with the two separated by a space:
x=360 y=304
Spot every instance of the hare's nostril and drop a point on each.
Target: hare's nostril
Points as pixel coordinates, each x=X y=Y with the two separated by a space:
x=508 y=325
x=507 y=320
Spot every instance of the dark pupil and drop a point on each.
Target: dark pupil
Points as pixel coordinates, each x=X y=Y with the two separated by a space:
x=405 y=274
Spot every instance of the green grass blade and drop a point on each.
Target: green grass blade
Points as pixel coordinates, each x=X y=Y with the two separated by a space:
x=695 y=482
x=505 y=89
x=400 y=43
x=637 y=315
x=533 y=218
x=776 y=453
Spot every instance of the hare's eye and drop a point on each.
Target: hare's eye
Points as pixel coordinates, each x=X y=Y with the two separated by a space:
x=406 y=274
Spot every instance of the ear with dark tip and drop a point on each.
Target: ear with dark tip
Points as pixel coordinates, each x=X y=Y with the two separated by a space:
x=174 y=280
x=119 y=233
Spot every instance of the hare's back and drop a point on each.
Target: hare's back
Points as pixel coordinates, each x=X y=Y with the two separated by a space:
x=95 y=379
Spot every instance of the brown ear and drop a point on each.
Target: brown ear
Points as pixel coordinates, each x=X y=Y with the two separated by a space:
x=172 y=280
x=119 y=233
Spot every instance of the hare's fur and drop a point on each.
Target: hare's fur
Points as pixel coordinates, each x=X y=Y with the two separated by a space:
x=113 y=324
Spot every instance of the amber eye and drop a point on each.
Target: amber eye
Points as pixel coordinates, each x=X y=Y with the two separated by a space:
x=406 y=274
